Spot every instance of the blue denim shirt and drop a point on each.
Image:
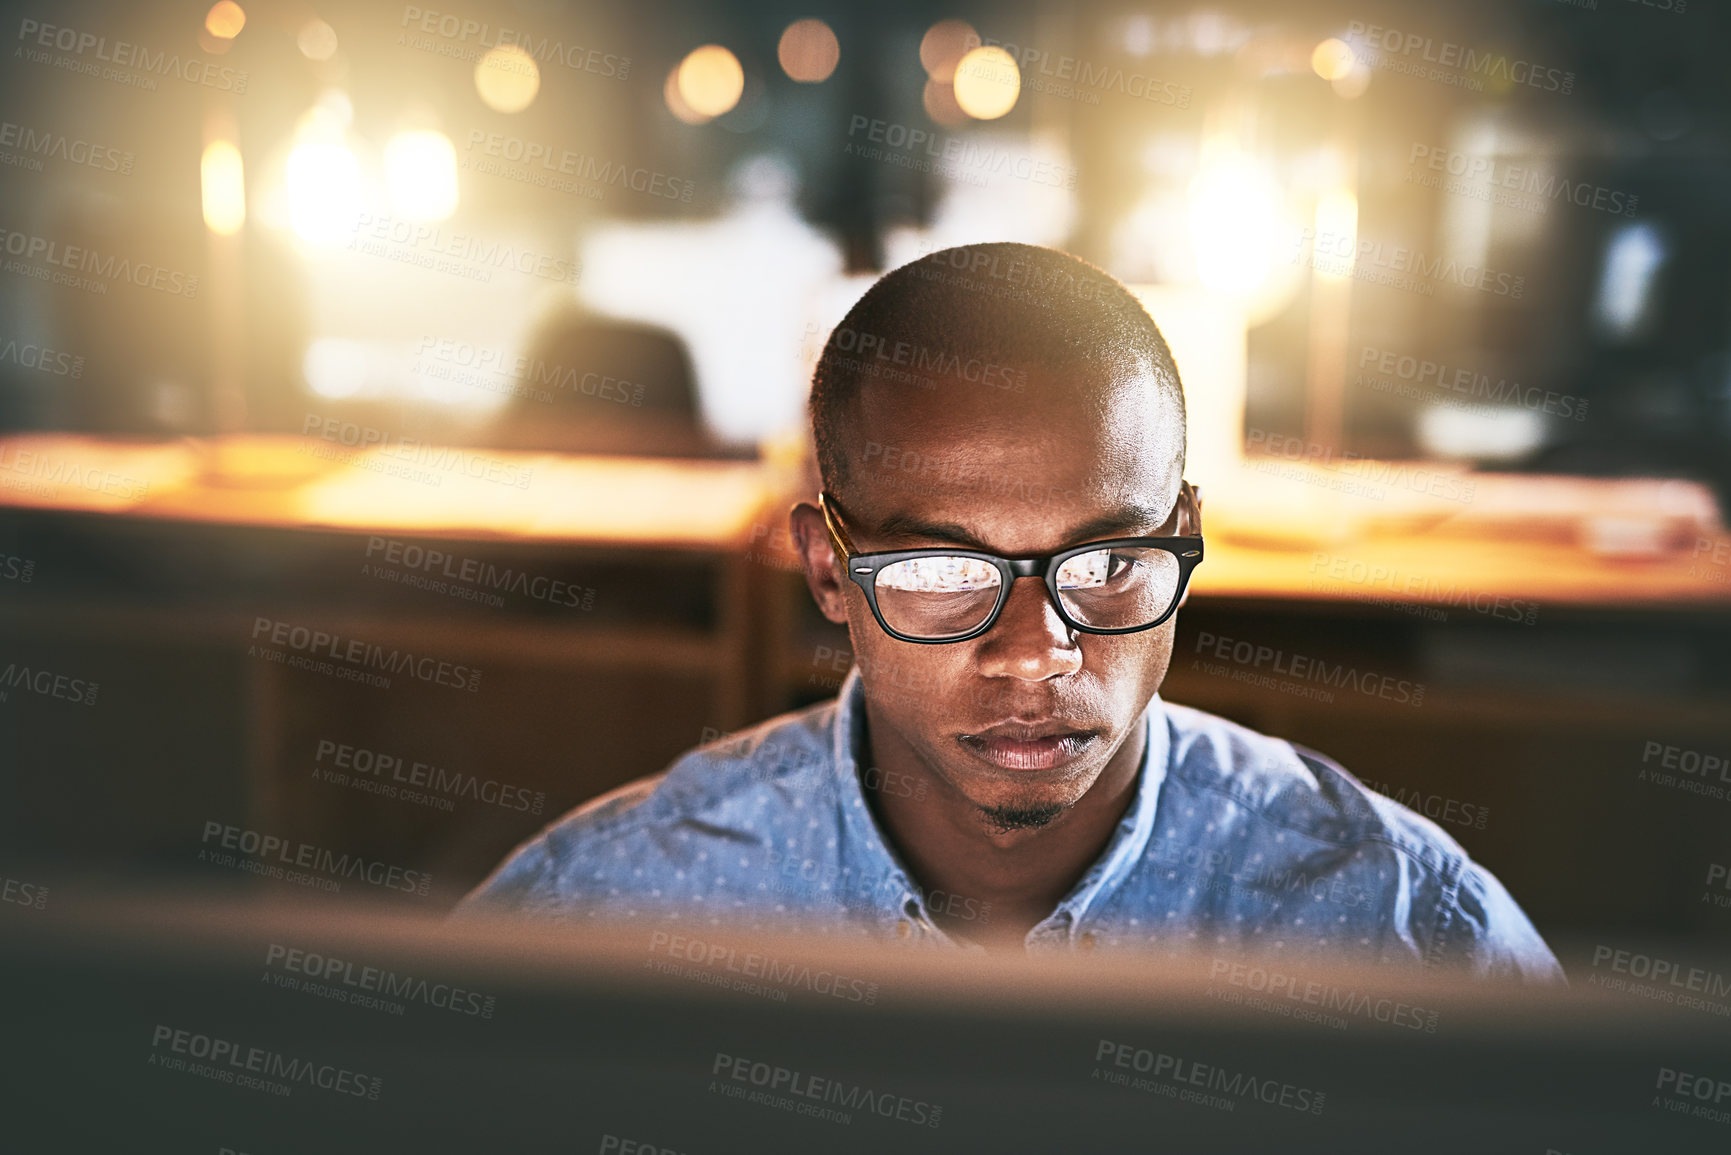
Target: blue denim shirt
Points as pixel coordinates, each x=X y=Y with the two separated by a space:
x=1235 y=844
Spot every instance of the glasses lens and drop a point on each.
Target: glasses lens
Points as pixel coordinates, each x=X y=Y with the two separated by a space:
x=1118 y=589
x=937 y=597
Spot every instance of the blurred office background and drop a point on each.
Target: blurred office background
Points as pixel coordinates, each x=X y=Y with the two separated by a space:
x=482 y=335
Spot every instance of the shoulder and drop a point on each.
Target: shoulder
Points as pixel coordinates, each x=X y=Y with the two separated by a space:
x=733 y=789
x=1286 y=786
x=1305 y=812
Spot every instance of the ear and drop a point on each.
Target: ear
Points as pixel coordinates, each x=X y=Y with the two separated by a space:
x=1193 y=510
x=822 y=567
x=1189 y=521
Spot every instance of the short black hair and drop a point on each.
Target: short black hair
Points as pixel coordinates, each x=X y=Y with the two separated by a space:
x=1003 y=305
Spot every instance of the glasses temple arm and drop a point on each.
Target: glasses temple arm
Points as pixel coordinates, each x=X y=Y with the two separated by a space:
x=838 y=535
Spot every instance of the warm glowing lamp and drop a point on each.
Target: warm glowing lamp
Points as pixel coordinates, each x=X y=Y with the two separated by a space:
x=221 y=178
x=987 y=83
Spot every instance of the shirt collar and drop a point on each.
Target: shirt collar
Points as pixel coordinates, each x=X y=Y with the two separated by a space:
x=868 y=852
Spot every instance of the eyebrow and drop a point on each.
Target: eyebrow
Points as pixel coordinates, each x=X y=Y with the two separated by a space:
x=1118 y=523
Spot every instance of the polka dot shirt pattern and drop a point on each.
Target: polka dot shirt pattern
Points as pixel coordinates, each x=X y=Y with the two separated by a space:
x=1236 y=843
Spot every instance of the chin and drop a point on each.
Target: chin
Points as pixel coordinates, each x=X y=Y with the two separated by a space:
x=1021 y=817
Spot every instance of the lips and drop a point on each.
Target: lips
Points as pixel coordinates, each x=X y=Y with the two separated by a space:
x=1032 y=745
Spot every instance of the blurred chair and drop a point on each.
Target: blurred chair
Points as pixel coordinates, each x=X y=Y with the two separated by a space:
x=599 y=385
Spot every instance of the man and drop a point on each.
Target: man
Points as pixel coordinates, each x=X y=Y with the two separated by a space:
x=998 y=769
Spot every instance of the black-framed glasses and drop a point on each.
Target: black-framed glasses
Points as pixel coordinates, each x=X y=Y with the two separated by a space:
x=931 y=596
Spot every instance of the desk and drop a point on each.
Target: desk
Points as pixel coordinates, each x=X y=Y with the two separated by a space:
x=149 y=548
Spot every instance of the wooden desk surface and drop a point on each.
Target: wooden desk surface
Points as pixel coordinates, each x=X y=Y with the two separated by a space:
x=1513 y=544
x=1533 y=539
x=1434 y=570
x=297 y=482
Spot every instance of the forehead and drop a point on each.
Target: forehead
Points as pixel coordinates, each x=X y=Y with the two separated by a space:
x=1020 y=468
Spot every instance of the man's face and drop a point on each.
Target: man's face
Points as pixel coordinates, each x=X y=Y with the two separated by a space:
x=1021 y=720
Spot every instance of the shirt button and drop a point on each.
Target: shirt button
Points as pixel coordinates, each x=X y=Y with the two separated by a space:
x=904 y=928
x=1088 y=940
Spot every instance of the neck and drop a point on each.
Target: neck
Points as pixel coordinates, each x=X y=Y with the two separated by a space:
x=980 y=882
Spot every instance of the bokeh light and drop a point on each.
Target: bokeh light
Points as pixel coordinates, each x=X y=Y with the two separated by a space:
x=676 y=103
x=808 y=51
x=317 y=40
x=1332 y=59
x=223 y=185
x=225 y=20
x=421 y=175
x=1234 y=207
x=322 y=177
x=987 y=83
x=710 y=80
x=944 y=45
x=507 y=78
x=940 y=103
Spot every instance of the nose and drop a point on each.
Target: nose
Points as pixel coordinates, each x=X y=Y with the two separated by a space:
x=1029 y=640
